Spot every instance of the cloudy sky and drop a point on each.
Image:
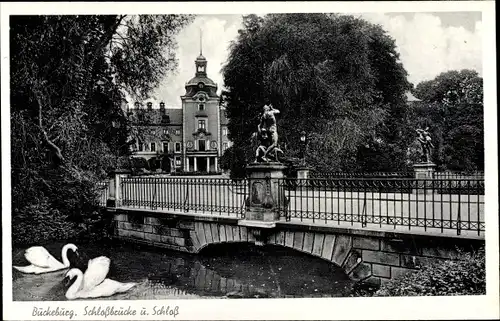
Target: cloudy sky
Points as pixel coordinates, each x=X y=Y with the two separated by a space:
x=428 y=43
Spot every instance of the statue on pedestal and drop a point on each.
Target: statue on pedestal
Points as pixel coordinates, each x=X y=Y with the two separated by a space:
x=267 y=135
x=425 y=141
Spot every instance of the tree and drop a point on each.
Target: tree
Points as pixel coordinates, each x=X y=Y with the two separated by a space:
x=452 y=108
x=69 y=75
x=336 y=77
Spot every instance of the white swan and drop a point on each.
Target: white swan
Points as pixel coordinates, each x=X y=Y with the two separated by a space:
x=93 y=283
x=43 y=262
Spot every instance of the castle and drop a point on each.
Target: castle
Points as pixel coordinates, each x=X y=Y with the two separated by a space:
x=192 y=138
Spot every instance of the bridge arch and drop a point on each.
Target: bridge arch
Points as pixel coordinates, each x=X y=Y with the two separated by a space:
x=335 y=249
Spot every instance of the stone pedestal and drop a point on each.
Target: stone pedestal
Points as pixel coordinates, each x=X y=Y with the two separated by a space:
x=302 y=172
x=424 y=172
x=266 y=198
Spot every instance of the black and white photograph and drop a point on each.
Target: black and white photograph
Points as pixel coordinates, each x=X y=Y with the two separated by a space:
x=333 y=161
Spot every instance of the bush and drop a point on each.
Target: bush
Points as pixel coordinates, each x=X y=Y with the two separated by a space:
x=464 y=276
x=66 y=207
x=140 y=162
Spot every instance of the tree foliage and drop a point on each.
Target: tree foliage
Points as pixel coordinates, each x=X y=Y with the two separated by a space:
x=336 y=77
x=69 y=75
x=452 y=108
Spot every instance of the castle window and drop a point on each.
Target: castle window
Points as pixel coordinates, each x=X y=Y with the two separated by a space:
x=201 y=107
x=177 y=132
x=153 y=147
x=165 y=131
x=140 y=147
x=177 y=161
x=202 y=124
x=141 y=117
x=224 y=131
x=224 y=147
x=165 y=147
x=165 y=119
x=177 y=147
x=150 y=105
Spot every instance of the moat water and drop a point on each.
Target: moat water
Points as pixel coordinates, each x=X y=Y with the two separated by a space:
x=221 y=271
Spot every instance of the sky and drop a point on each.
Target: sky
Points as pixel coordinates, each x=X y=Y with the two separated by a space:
x=428 y=43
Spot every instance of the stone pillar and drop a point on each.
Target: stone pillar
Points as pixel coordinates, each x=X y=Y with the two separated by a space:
x=195 y=160
x=114 y=197
x=424 y=174
x=266 y=199
x=302 y=172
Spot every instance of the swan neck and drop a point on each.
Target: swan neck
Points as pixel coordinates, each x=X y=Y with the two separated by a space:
x=64 y=255
x=73 y=289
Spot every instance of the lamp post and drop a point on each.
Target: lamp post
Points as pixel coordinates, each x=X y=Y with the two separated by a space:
x=303 y=147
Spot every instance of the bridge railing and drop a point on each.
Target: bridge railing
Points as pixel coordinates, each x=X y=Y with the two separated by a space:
x=103 y=191
x=437 y=204
x=216 y=196
x=435 y=175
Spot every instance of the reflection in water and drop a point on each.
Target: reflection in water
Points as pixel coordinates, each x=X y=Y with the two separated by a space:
x=222 y=271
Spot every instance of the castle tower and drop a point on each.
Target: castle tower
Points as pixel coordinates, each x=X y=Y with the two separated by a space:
x=201 y=119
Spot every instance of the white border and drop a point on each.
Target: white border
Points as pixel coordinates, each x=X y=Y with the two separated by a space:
x=471 y=307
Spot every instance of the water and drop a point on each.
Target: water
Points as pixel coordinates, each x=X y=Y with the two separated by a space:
x=222 y=271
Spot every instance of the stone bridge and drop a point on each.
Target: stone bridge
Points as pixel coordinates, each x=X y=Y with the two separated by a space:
x=370 y=256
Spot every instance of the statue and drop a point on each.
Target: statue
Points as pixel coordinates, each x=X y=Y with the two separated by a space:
x=425 y=141
x=267 y=135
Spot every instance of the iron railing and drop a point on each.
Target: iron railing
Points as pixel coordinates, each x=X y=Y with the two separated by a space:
x=435 y=175
x=334 y=175
x=436 y=204
x=413 y=203
x=103 y=191
x=459 y=176
x=199 y=195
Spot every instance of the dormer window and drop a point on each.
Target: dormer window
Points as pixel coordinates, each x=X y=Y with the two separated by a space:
x=162 y=107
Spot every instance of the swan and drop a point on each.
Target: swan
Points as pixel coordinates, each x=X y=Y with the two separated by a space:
x=43 y=262
x=93 y=283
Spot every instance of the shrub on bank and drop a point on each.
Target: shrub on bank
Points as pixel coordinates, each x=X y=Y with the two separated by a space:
x=464 y=276
x=64 y=209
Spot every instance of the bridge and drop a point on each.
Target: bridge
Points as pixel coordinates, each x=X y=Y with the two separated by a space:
x=375 y=229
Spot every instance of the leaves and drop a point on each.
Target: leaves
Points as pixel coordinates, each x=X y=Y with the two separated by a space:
x=335 y=77
x=466 y=275
x=68 y=75
x=452 y=108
